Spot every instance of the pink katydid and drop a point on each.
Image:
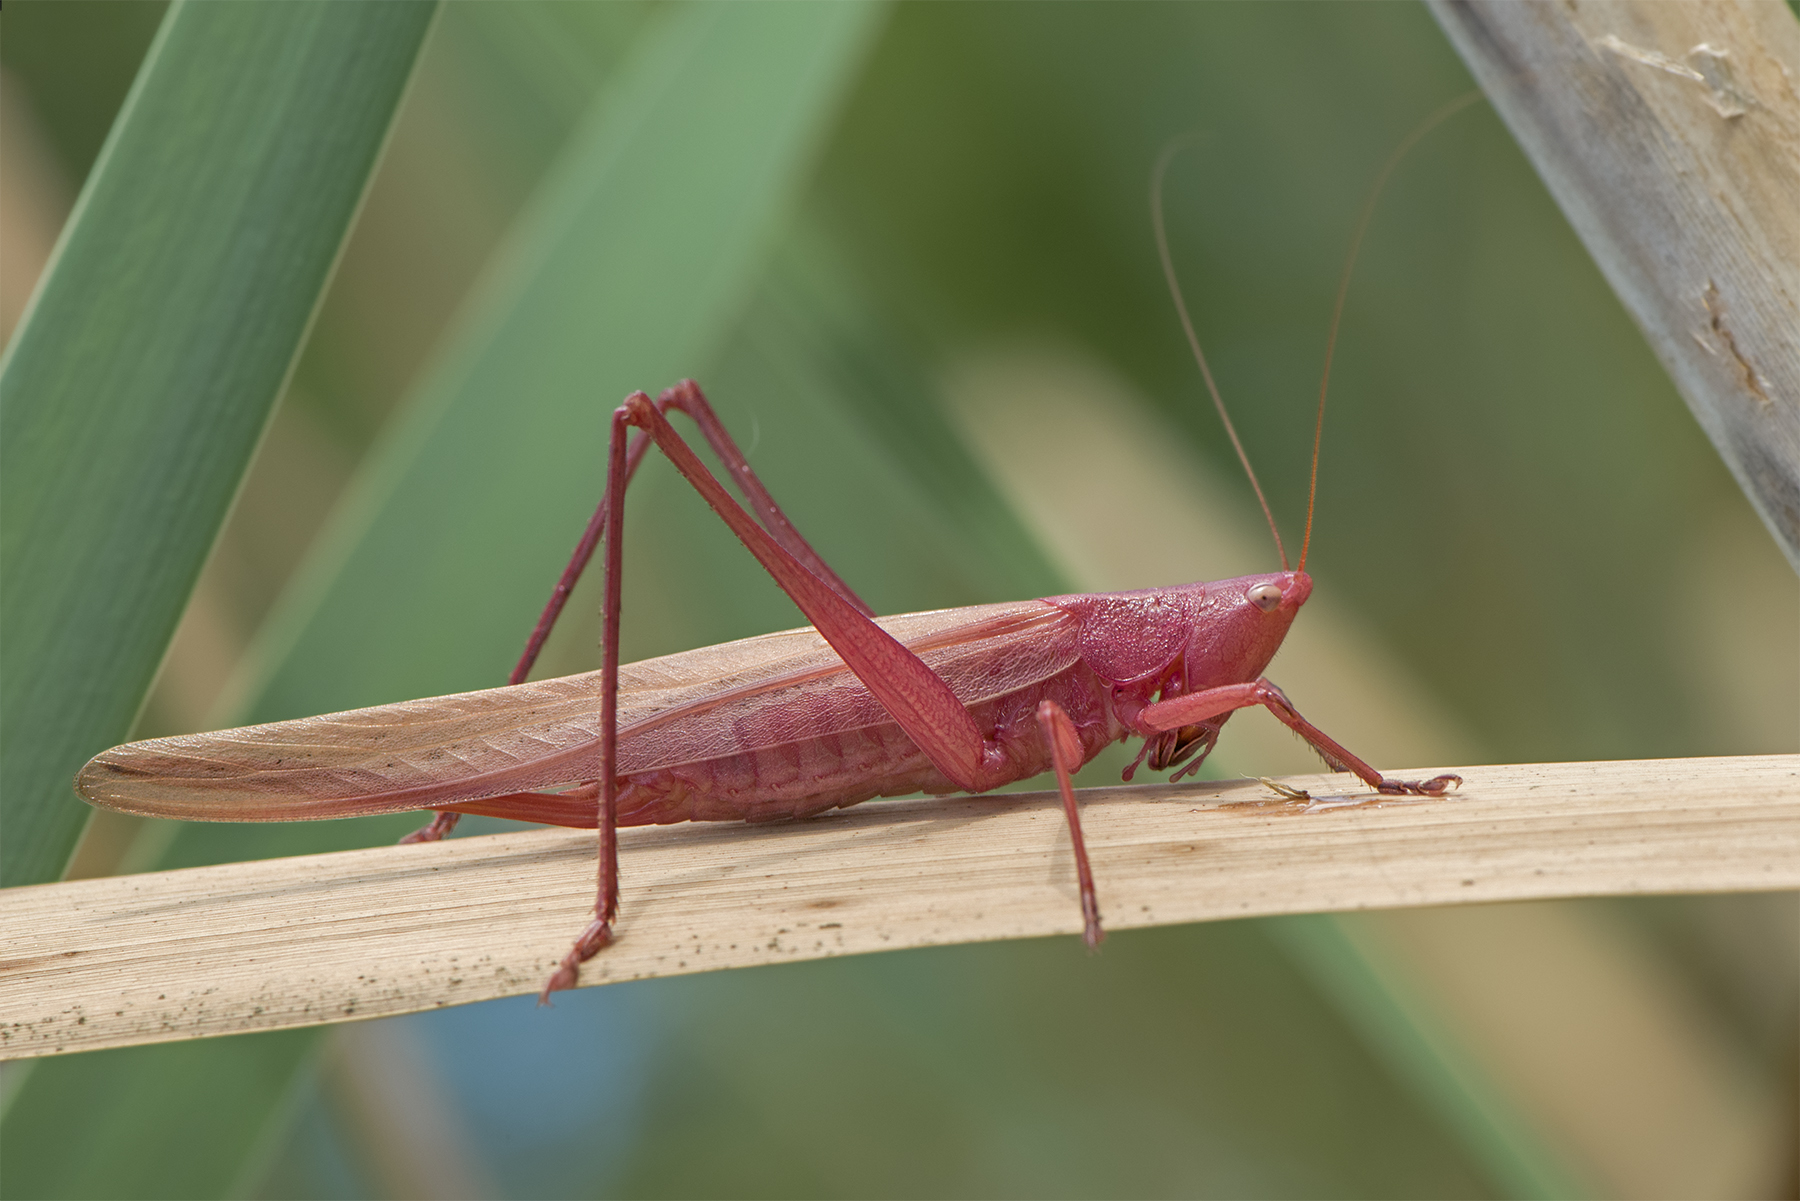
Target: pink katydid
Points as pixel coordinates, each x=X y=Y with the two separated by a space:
x=784 y=725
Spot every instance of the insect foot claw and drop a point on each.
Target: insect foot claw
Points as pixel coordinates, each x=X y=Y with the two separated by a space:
x=568 y=972
x=1435 y=786
x=440 y=825
x=1091 y=933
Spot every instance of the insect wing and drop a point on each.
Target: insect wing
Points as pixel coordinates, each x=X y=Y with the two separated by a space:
x=544 y=735
x=382 y=759
x=982 y=653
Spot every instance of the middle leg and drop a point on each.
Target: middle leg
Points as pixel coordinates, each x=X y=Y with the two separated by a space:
x=1065 y=757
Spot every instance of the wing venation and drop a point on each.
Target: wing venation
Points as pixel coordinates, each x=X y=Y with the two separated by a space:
x=543 y=735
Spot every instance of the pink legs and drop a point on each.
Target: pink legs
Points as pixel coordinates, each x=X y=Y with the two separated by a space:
x=1065 y=757
x=599 y=931
x=919 y=701
x=685 y=397
x=1197 y=707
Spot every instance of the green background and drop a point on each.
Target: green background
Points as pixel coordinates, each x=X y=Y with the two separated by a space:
x=824 y=214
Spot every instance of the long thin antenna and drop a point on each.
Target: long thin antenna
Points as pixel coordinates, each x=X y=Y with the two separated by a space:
x=1168 y=266
x=1337 y=312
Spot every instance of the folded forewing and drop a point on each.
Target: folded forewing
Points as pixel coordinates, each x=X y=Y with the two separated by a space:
x=696 y=705
x=981 y=652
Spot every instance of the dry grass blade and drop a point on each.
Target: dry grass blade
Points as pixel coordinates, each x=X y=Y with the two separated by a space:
x=303 y=941
x=1667 y=134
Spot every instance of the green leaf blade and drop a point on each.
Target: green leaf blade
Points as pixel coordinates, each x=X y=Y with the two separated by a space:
x=630 y=268
x=141 y=379
x=645 y=243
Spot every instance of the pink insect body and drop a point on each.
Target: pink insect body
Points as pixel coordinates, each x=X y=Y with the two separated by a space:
x=781 y=726
x=794 y=735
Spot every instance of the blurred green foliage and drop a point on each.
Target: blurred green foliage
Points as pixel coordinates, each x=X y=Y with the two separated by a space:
x=1512 y=497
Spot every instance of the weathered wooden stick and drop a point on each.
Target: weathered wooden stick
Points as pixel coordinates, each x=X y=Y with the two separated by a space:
x=328 y=938
x=1670 y=136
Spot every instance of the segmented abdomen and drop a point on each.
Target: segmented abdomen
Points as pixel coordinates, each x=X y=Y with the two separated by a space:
x=799 y=779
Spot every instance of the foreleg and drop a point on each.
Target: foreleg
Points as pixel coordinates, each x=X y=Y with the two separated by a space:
x=1197 y=707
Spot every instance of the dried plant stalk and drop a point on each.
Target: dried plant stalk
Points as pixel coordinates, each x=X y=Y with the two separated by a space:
x=327 y=938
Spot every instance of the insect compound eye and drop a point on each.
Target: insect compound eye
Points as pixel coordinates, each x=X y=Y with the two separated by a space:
x=1265 y=597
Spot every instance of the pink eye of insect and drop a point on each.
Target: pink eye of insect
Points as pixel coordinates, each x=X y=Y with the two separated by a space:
x=1265 y=597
